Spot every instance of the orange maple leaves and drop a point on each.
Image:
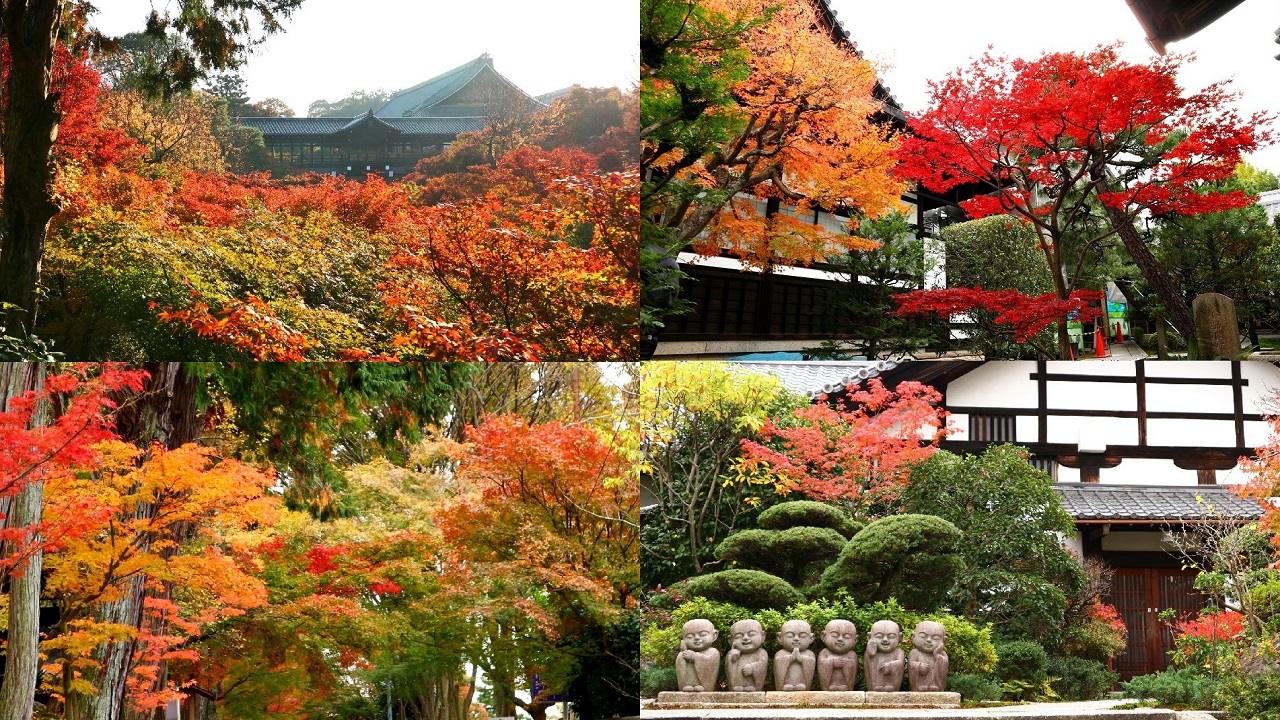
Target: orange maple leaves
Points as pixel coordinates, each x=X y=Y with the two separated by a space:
x=860 y=453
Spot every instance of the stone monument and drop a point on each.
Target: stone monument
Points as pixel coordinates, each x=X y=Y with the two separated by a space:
x=698 y=663
x=1217 y=334
x=883 y=663
x=747 y=665
x=837 y=663
x=927 y=664
x=793 y=665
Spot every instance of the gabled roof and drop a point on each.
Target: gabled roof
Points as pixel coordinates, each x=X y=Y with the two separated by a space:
x=295 y=125
x=421 y=98
x=275 y=126
x=821 y=377
x=1097 y=503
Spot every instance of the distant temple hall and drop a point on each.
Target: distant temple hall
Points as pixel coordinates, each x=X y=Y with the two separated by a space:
x=415 y=123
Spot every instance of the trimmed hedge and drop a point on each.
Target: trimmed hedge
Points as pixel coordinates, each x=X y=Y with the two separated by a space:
x=808 y=513
x=909 y=557
x=747 y=588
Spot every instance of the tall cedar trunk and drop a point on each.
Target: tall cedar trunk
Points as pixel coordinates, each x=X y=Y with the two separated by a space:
x=22 y=655
x=166 y=414
x=1178 y=313
x=30 y=127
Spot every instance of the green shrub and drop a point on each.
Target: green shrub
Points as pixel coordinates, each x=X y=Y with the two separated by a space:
x=975 y=688
x=747 y=588
x=1265 y=601
x=1022 y=660
x=1251 y=696
x=807 y=513
x=656 y=679
x=1076 y=678
x=1184 y=687
x=909 y=557
x=969 y=647
x=790 y=554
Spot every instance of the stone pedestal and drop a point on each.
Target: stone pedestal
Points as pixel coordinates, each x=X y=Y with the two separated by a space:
x=776 y=700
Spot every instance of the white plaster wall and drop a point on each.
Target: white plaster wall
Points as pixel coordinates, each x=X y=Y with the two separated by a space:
x=1092 y=433
x=995 y=384
x=1146 y=471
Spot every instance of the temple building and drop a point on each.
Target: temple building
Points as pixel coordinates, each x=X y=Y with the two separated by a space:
x=415 y=123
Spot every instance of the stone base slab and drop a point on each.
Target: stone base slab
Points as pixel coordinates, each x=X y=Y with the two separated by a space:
x=805 y=699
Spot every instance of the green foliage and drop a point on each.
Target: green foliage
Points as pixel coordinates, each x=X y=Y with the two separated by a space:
x=1234 y=252
x=1016 y=575
x=605 y=681
x=654 y=680
x=694 y=416
x=969 y=646
x=660 y=641
x=1264 y=599
x=808 y=513
x=1185 y=687
x=996 y=253
x=1251 y=696
x=357 y=103
x=790 y=554
x=861 y=308
x=1080 y=679
x=747 y=588
x=914 y=558
x=974 y=688
x=1022 y=660
x=313 y=420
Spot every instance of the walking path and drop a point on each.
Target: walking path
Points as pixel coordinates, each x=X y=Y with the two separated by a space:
x=1127 y=350
x=1030 y=711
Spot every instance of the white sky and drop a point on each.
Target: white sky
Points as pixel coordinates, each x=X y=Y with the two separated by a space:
x=925 y=39
x=331 y=48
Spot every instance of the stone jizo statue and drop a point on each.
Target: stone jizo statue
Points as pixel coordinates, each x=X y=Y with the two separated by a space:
x=883 y=663
x=698 y=664
x=928 y=662
x=793 y=665
x=837 y=663
x=747 y=665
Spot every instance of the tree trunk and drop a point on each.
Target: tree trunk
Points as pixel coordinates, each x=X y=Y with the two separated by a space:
x=22 y=654
x=164 y=414
x=1178 y=313
x=30 y=128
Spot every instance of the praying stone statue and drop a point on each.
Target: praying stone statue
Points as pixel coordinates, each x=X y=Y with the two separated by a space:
x=883 y=663
x=698 y=663
x=837 y=663
x=747 y=665
x=793 y=665
x=927 y=664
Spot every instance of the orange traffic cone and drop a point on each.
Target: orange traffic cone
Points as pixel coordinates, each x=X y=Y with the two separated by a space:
x=1119 y=333
x=1100 y=344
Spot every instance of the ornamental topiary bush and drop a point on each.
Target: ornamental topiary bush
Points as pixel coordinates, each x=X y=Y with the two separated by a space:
x=791 y=554
x=808 y=513
x=913 y=558
x=746 y=588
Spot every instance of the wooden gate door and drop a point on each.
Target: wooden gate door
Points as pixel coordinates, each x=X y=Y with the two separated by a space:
x=1139 y=595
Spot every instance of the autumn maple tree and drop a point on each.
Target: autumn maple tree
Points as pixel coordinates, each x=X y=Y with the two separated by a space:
x=1067 y=134
x=220 y=33
x=858 y=452
x=751 y=98
x=542 y=536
